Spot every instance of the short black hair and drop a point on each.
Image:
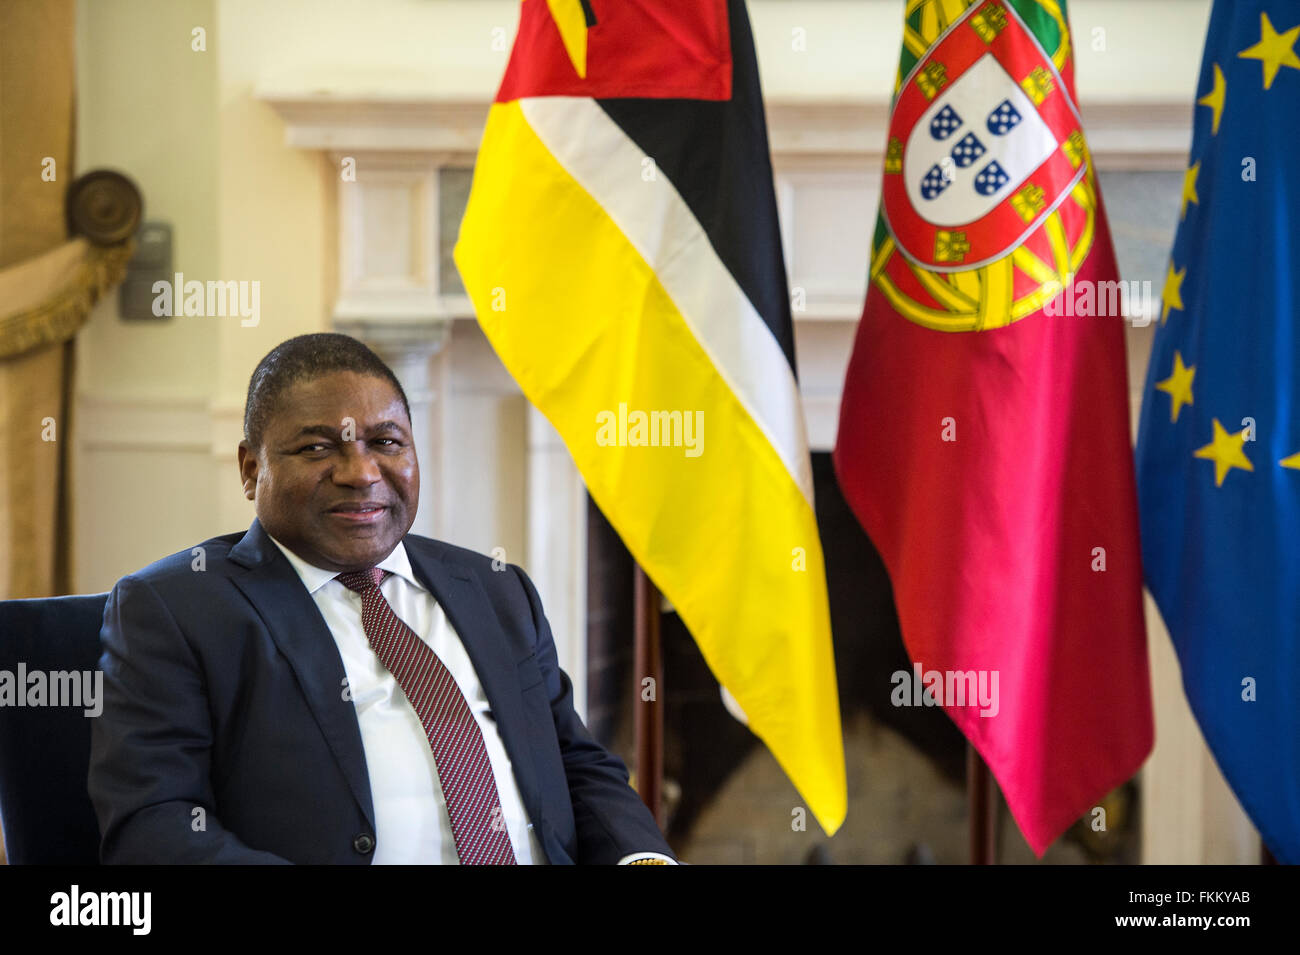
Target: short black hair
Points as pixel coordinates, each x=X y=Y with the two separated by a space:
x=303 y=358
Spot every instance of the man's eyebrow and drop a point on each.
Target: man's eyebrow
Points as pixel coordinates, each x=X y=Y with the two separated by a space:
x=329 y=431
x=323 y=430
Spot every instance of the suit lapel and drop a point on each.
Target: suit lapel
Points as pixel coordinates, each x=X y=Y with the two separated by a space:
x=295 y=624
x=470 y=612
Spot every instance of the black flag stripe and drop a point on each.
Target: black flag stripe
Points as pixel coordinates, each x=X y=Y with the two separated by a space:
x=716 y=155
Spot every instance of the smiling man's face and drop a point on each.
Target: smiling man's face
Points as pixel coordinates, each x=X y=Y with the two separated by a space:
x=339 y=504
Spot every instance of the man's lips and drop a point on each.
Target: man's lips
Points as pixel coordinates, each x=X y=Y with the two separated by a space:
x=361 y=512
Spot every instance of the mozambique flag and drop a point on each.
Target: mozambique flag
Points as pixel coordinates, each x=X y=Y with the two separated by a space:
x=984 y=430
x=1219 y=440
x=622 y=252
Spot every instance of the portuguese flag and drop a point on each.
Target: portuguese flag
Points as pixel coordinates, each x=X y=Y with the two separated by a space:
x=984 y=430
x=622 y=252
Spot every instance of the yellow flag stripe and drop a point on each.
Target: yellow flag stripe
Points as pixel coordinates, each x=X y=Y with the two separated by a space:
x=584 y=325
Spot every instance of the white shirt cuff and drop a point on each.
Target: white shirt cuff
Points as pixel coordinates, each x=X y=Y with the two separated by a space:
x=647 y=858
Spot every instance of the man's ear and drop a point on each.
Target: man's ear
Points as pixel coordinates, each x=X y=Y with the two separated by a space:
x=248 y=469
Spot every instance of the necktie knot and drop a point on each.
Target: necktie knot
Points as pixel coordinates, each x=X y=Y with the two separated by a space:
x=360 y=581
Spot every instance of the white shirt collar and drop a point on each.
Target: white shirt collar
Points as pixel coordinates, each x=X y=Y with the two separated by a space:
x=314 y=578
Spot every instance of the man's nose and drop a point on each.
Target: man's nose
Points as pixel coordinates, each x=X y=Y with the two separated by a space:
x=357 y=466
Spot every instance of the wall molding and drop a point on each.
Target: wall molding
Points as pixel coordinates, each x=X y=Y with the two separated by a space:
x=145 y=423
x=1122 y=135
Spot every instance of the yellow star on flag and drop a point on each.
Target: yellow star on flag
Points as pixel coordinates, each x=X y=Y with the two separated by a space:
x=1226 y=453
x=1178 y=386
x=1275 y=50
x=1216 y=97
x=1189 y=188
x=571 y=20
x=1172 y=296
x=1291 y=462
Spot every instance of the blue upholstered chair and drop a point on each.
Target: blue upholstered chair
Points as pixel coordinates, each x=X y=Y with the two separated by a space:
x=44 y=750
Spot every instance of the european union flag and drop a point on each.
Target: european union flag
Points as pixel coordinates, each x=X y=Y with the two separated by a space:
x=1218 y=452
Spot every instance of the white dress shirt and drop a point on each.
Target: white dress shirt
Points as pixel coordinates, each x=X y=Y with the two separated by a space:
x=411 y=821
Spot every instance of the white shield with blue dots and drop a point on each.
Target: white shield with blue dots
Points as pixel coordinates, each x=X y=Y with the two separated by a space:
x=975 y=145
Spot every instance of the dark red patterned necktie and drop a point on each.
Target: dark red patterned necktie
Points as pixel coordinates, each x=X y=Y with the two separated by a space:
x=470 y=788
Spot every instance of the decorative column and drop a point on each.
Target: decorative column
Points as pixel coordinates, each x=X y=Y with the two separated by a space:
x=557 y=546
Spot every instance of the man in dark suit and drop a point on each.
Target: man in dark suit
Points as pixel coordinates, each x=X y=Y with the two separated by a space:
x=328 y=688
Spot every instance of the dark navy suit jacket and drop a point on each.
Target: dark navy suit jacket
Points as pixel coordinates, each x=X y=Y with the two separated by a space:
x=226 y=736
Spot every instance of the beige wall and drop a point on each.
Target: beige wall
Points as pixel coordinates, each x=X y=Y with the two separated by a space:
x=1151 y=48
x=146 y=105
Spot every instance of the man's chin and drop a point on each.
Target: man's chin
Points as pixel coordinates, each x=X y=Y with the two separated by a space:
x=359 y=547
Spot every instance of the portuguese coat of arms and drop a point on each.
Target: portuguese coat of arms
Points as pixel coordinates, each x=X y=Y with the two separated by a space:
x=987 y=179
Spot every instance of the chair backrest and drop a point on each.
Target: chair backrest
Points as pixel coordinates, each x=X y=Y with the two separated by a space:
x=45 y=749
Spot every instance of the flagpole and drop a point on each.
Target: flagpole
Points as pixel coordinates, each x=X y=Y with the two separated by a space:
x=648 y=718
x=981 y=796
